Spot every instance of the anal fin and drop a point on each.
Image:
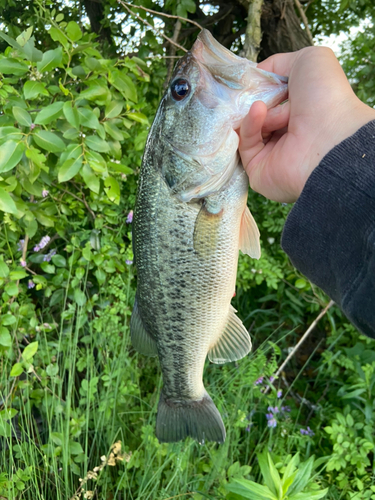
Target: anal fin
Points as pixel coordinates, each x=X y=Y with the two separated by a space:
x=249 y=235
x=141 y=339
x=233 y=344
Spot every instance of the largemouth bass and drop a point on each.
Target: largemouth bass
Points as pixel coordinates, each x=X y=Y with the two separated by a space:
x=190 y=221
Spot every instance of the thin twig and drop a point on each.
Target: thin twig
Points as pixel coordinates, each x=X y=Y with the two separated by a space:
x=163 y=14
x=152 y=27
x=77 y=198
x=301 y=340
x=304 y=20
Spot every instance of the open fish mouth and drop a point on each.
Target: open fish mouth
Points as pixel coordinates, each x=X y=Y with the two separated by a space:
x=238 y=74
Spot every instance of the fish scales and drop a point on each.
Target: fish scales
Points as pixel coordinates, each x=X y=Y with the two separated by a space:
x=190 y=220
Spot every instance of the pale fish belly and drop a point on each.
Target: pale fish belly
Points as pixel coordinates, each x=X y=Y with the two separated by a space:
x=185 y=288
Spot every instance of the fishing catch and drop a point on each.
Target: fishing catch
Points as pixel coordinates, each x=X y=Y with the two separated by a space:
x=190 y=221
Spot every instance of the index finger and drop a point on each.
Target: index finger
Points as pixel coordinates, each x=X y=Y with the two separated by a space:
x=280 y=63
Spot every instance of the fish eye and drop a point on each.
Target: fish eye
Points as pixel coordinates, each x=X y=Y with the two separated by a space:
x=180 y=89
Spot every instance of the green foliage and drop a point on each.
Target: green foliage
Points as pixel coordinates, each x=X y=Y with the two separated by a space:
x=77 y=404
x=291 y=485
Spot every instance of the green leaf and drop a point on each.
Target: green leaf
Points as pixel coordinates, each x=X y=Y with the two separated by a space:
x=14 y=67
x=119 y=167
x=112 y=190
x=31 y=227
x=49 y=141
x=59 y=260
x=22 y=116
x=138 y=117
x=73 y=31
x=12 y=289
x=31 y=52
x=50 y=60
x=309 y=495
x=69 y=169
x=5 y=338
x=7 y=203
x=10 y=155
x=4 y=269
x=95 y=92
x=94 y=142
x=47 y=268
x=10 y=133
x=18 y=275
x=265 y=470
x=302 y=477
x=113 y=109
x=90 y=179
x=49 y=113
x=29 y=351
x=10 y=41
x=71 y=114
x=251 y=490
x=79 y=297
x=58 y=36
x=44 y=219
x=113 y=131
x=275 y=476
x=75 y=448
x=25 y=36
x=33 y=89
x=122 y=82
x=16 y=370
x=87 y=118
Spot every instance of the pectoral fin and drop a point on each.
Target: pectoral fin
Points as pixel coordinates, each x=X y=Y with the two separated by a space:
x=233 y=344
x=141 y=339
x=206 y=231
x=249 y=235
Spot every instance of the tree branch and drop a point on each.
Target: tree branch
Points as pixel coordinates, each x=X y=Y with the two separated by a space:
x=304 y=20
x=150 y=26
x=253 y=30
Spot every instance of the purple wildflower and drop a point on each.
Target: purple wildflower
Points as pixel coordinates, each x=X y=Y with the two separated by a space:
x=129 y=262
x=307 y=432
x=272 y=379
x=23 y=262
x=45 y=193
x=259 y=381
x=285 y=408
x=279 y=393
x=49 y=255
x=273 y=409
x=32 y=126
x=129 y=218
x=20 y=245
x=43 y=242
x=247 y=428
x=272 y=422
x=30 y=284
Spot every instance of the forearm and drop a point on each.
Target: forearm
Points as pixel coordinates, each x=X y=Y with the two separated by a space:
x=330 y=232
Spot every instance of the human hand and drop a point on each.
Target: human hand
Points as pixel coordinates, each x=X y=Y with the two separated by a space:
x=280 y=148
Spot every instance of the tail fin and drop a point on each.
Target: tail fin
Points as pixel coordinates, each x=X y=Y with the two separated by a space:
x=199 y=419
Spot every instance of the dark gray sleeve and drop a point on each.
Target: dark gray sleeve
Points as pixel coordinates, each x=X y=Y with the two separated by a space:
x=329 y=234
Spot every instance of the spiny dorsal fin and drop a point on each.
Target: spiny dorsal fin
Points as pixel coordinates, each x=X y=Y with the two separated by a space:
x=206 y=232
x=249 y=235
x=233 y=344
x=141 y=340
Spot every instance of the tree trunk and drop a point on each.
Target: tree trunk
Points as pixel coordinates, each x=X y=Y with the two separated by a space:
x=281 y=27
x=95 y=12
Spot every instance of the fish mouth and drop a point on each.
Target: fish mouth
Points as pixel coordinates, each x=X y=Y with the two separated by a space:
x=239 y=74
